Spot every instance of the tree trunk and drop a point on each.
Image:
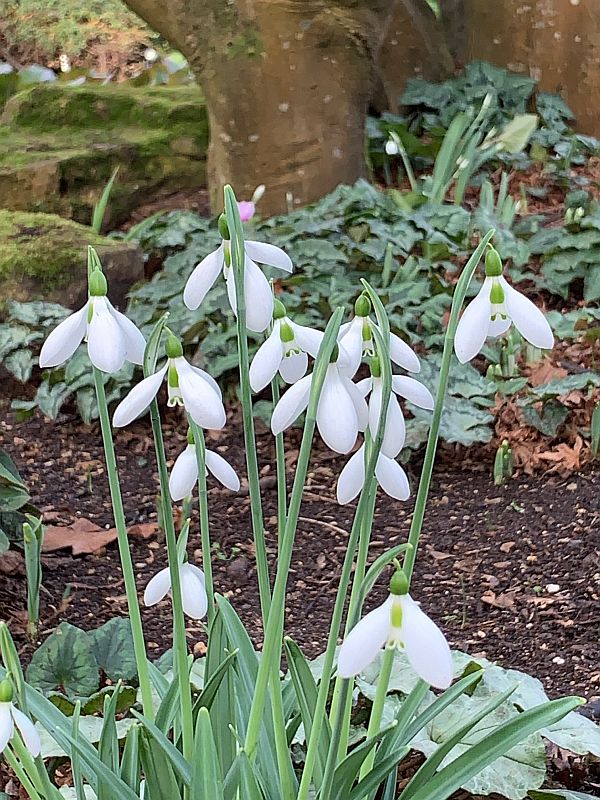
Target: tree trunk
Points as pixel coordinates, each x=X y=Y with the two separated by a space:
x=557 y=42
x=414 y=46
x=287 y=85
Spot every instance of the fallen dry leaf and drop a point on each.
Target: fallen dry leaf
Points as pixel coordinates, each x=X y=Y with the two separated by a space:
x=498 y=600
x=546 y=372
x=12 y=563
x=83 y=536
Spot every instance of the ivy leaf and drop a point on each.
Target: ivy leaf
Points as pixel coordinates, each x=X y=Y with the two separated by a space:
x=65 y=661
x=112 y=646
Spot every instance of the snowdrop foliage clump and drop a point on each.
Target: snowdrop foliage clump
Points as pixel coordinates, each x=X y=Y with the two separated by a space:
x=231 y=739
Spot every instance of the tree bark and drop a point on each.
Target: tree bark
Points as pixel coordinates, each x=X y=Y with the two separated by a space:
x=287 y=85
x=557 y=42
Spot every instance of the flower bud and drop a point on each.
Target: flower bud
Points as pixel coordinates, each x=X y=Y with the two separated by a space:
x=493 y=264
x=6 y=691
x=173 y=347
x=98 y=286
x=399 y=583
x=362 y=307
x=278 y=309
x=223 y=227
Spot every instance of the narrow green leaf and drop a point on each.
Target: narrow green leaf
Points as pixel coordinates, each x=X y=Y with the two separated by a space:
x=207 y=779
x=100 y=207
x=170 y=753
x=130 y=760
x=161 y=783
x=151 y=353
x=595 y=445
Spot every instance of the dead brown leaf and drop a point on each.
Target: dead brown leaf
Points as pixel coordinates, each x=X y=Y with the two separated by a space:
x=546 y=372
x=84 y=536
x=498 y=600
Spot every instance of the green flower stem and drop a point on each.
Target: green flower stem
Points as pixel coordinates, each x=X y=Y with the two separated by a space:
x=22 y=777
x=362 y=511
x=133 y=605
x=179 y=636
x=274 y=629
x=238 y=260
x=434 y=431
x=198 y=435
x=281 y=476
x=383 y=682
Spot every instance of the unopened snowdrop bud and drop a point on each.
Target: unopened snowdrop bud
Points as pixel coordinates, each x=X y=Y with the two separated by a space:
x=11 y=717
x=111 y=337
x=494 y=309
x=398 y=623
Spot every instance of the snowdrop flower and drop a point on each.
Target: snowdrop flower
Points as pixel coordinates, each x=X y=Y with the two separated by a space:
x=11 y=717
x=111 y=338
x=395 y=428
x=341 y=412
x=398 y=623
x=391 y=147
x=187 y=386
x=247 y=208
x=193 y=589
x=184 y=474
x=389 y=474
x=285 y=350
x=357 y=338
x=491 y=313
x=258 y=295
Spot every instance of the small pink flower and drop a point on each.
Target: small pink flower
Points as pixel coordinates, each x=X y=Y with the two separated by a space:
x=247 y=210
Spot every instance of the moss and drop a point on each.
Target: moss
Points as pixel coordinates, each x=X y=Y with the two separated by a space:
x=43 y=248
x=50 y=107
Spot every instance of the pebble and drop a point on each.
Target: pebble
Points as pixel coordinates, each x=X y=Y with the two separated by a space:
x=552 y=588
x=558 y=660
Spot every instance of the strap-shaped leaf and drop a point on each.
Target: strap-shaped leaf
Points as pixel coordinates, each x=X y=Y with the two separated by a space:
x=130 y=760
x=160 y=779
x=378 y=774
x=207 y=778
x=491 y=747
x=170 y=754
x=108 y=746
x=347 y=770
x=306 y=693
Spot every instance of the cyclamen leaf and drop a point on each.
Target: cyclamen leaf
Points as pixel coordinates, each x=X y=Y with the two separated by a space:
x=65 y=661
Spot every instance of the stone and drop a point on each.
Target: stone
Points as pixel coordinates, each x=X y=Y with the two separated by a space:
x=59 y=146
x=44 y=257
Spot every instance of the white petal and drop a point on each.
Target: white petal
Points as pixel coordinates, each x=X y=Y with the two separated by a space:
x=473 y=326
x=106 y=342
x=157 y=587
x=395 y=429
x=360 y=404
x=184 y=474
x=139 y=398
x=426 y=646
x=337 y=419
x=291 y=405
x=364 y=641
x=364 y=386
x=259 y=298
x=413 y=390
x=403 y=355
x=269 y=254
x=375 y=405
x=266 y=362
x=499 y=326
x=64 y=339
x=293 y=367
x=202 y=278
x=193 y=592
x=201 y=401
x=222 y=470
x=352 y=478
x=208 y=378
x=528 y=319
x=6 y=724
x=353 y=344
x=308 y=339
x=392 y=478
x=135 y=344
x=28 y=732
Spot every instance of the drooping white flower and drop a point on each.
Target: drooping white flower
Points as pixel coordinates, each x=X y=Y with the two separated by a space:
x=494 y=309
x=11 y=717
x=388 y=473
x=341 y=412
x=398 y=623
x=111 y=337
x=258 y=295
x=193 y=589
x=285 y=350
x=357 y=338
x=184 y=474
x=395 y=428
x=188 y=386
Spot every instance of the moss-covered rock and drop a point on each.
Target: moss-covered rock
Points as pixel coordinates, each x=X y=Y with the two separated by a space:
x=44 y=257
x=59 y=146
